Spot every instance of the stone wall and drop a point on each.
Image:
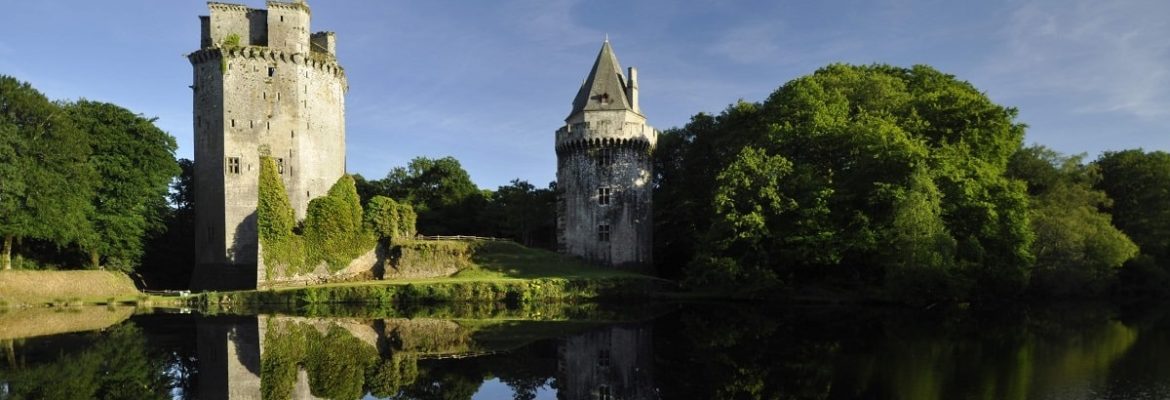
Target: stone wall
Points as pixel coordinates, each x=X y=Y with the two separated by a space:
x=604 y=175
x=269 y=95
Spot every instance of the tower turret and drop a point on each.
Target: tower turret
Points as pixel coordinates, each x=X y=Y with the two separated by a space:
x=262 y=86
x=604 y=169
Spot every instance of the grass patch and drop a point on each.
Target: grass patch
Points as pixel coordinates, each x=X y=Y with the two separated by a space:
x=35 y=288
x=496 y=272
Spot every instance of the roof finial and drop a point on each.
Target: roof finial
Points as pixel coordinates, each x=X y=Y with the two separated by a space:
x=607 y=37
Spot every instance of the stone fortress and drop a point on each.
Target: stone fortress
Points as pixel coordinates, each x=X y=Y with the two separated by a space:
x=263 y=85
x=604 y=172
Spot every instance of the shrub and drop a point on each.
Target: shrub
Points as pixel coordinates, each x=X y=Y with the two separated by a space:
x=389 y=219
x=333 y=228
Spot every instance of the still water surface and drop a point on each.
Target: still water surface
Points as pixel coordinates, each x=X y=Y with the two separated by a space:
x=667 y=351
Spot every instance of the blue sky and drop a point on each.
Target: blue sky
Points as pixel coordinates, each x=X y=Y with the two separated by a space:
x=488 y=82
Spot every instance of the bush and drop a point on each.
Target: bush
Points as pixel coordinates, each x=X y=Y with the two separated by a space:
x=389 y=219
x=333 y=227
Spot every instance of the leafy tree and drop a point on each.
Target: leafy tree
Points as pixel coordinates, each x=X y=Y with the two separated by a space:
x=170 y=255
x=135 y=163
x=1137 y=181
x=441 y=192
x=46 y=181
x=890 y=168
x=1077 y=248
x=523 y=213
x=747 y=234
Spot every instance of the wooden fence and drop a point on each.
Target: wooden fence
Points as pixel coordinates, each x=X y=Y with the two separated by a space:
x=462 y=237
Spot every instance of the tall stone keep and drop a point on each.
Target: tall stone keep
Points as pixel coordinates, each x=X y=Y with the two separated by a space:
x=604 y=210
x=263 y=85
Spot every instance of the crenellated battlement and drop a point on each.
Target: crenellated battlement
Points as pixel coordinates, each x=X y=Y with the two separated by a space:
x=581 y=145
x=227 y=6
x=321 y=61
x=293 y=5
x=590 y=132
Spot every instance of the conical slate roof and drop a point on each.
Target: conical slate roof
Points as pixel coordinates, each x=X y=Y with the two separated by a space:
x=605 y=88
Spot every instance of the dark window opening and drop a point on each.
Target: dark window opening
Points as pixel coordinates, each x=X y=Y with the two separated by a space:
x=280 y=166
x=233 y=165
x=603 y=196
x=604 y=157
x=271 y=71
x=251 y=124
x=233 y=123
x=603 y=233
x=603 y=393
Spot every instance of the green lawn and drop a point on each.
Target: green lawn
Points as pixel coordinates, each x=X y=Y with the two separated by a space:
x=35 y=288
x=501 y=261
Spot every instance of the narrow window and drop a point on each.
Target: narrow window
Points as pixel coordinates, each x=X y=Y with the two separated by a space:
x=604 y=157
x=603 y=233
x=271 y=71
x=292 y=134
x=233 y=165
x=603 y=358
x=265 y=95
x=603 y=393
x=603 y=196
x=280 y=166
x=251 y=124
x=268 y=125
x=233 y=123
x=281 y=18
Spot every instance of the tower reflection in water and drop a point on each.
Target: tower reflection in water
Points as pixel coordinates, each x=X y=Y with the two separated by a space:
x=606 y=364
x=306 y=358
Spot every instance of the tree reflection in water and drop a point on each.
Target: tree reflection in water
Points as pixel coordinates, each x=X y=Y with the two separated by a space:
x=697 y=351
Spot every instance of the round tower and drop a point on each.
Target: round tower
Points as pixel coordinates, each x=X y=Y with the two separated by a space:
x=605 y=209
x=262 y=86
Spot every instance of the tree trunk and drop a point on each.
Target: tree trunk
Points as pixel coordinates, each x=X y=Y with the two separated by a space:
x=6 y=253
x=10 y=351
x=95 y=259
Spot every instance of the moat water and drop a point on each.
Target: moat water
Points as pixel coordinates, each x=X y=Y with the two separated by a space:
x=656 y=351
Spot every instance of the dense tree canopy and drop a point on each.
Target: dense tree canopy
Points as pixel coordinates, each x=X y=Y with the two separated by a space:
x=46 y=182
x=440 y=191
x=1077 y=248
x=883 y=168
x=135 y=163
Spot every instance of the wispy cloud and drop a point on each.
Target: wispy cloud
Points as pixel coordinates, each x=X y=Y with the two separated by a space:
x=749 y=44
x=1114 y=55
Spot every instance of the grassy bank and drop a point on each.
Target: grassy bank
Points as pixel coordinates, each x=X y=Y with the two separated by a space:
x=44 y=321
x=493 y=272
x=39 y=288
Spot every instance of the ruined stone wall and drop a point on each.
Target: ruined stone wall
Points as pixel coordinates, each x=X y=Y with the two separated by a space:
x=604 y=175
x=281 y=100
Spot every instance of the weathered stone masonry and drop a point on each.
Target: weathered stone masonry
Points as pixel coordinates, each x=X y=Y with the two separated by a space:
x=605 y=209
x=262 y=85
